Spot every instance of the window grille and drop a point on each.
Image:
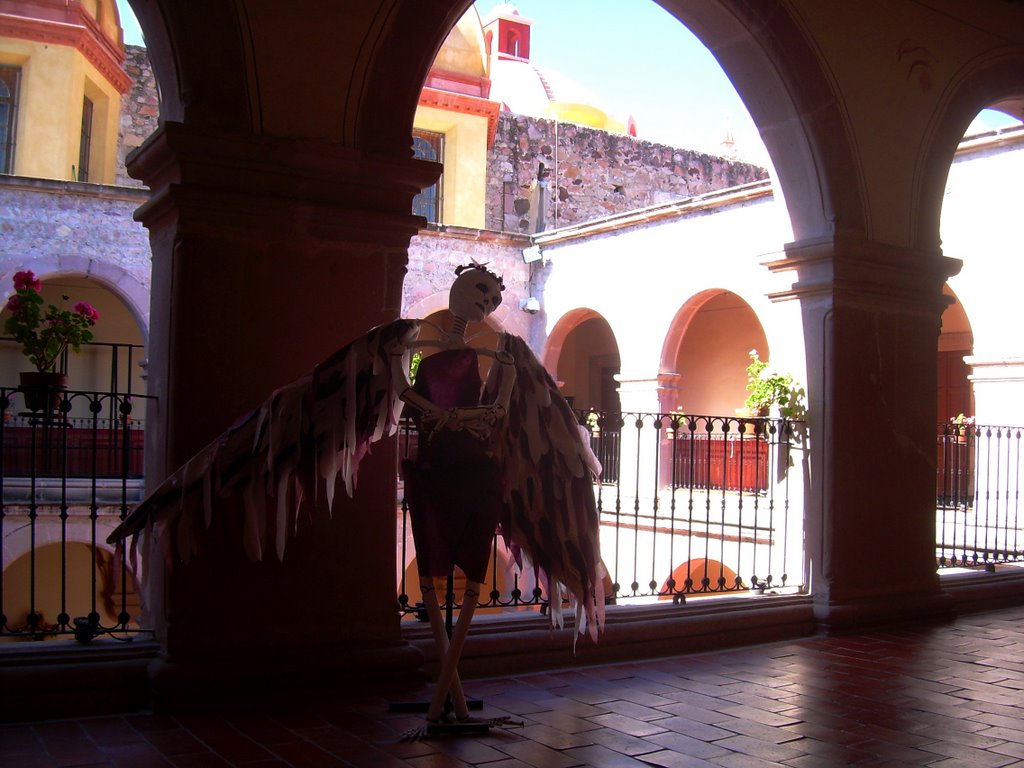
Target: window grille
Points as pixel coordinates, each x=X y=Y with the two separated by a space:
x=428 y=145
x=9 y=80
x=85 y=145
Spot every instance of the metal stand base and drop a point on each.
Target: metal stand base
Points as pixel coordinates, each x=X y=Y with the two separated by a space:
x=423 y=706
x=457 y=728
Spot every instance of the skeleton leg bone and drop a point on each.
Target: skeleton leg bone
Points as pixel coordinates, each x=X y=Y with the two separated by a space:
x=448 y=678
x=432 y=602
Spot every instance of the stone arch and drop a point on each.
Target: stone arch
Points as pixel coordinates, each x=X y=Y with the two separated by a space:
x=18 y=540
x=672 y=393
x=125 y=286
x=438 y=302
x=560 y=332
x=77 y=550
x=763 y=51
x=988 y=80
x=384 y=102
x=762 y=48
x=779 y=77
x=184 y=51
x=571 y=322
x=956 y=341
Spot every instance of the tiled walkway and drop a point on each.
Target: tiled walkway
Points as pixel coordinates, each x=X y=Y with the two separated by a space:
x=946 y=695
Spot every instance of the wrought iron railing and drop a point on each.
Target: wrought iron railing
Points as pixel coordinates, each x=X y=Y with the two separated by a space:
x=979 y=518
x=689 y=505
x=74 y=447
x=65 y=483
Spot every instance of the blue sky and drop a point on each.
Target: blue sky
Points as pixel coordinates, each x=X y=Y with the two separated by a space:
x=636 y=59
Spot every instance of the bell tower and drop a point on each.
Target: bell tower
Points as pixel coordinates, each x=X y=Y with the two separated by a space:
x=507 y=33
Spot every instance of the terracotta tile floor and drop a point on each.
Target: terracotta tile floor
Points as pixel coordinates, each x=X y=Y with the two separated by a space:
x=945 y=695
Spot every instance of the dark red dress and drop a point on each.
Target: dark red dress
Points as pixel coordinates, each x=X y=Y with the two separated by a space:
x=452 y=485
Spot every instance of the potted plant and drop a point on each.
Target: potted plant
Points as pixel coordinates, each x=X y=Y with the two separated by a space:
x=770 y=388
x=962 y=426
x=44 y=331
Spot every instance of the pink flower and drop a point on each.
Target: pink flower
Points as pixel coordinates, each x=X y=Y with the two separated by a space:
x=26 y=280
x=14 y=304
x=87 y=311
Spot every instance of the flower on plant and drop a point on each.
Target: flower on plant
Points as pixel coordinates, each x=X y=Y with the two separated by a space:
x=46 y=330
x=87 y=310
x=961 y=420
x=27 y=281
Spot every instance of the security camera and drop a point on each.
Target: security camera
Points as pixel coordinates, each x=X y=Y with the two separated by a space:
x=531 y=305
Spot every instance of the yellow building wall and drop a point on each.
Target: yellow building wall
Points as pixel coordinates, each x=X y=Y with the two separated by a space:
x=465 y=164
x=54 y=80
x=464 y=50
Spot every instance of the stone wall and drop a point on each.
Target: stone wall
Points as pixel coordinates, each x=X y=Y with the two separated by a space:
x=72 y=226
x=591 y=175
x=435 y=253
x=140 y=109
x=544 y=174
x=541 y=174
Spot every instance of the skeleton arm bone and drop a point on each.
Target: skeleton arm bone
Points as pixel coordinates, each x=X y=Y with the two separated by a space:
x=478 y=420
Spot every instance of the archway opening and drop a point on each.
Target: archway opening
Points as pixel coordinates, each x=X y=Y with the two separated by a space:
x=587 y=365
x=979 y=349
x=956 y=344
x=701 y=576
x=63 y=589
x=112 y=361
x=709 y=348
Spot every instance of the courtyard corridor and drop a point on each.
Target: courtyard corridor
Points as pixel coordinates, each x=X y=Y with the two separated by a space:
x=948 y=694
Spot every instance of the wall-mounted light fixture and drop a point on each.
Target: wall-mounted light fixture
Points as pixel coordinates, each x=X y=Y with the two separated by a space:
x=532 y=254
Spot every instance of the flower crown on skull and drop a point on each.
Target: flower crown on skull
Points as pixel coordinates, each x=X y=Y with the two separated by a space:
x=483 y=268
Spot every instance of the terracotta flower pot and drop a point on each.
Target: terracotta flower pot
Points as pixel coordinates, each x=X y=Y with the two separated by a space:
x=42 y=390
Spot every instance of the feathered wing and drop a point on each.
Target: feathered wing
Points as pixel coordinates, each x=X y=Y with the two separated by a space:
x=315 y=428
x=549 y=511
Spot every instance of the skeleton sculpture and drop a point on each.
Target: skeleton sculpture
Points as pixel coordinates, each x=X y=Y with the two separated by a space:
x=509 y=456
x=453 y=487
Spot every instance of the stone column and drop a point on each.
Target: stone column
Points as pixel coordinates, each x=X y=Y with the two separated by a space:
x=269 y=254
x=996 y=384
x=629 y=512
x=641 y=400
x=871 y=316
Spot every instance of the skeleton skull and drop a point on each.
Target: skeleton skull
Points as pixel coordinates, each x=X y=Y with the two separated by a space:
x=474 y=295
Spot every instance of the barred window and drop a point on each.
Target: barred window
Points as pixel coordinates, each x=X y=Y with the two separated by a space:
x=428 y=145
x=85 y=144
x=9 y=80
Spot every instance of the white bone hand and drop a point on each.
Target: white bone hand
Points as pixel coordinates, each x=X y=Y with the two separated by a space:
x=477 y=420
